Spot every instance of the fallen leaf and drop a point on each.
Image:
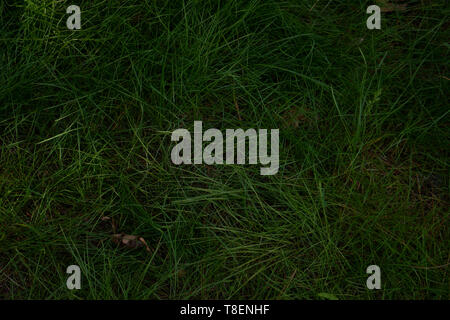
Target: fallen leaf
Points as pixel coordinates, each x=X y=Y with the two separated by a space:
x=387 y=6
x=294 y=118
x=113 y=223
x=130 y=241
x=328 y=296
x=181 y=273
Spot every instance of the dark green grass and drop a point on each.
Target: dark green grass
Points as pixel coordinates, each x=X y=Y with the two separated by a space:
x=85 y=123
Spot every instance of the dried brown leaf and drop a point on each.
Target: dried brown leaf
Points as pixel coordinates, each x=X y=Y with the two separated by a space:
x=294 y=118
x=130 y=241
x=109 y=219
x=387 y=6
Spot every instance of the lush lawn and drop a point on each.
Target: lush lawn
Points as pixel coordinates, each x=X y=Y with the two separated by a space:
x=85 y=128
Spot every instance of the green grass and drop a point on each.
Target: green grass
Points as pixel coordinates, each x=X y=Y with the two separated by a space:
x=85 y=124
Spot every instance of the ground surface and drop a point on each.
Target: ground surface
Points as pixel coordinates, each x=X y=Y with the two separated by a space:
x=85 y=124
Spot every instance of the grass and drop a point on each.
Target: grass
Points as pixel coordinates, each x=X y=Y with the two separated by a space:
x=85 y=124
